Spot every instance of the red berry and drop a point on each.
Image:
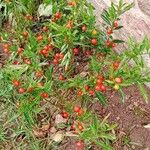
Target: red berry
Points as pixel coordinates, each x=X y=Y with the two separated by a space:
x=55 y=62
x=16 y=62
x=113 y=45
x=99 y=81
x=46 y=48
x=94 y=41
x=80 y=127
x=101 y=77
x=44 y=95
x=61 y=56
x=108 y=43
x=57 y=56
x=118 y=80
x=103 y=88
x=5 y=46
x=98 y=88
x=73 y=127
x=6 y=51
x=80 y=93
x=80 y=112
x=25 y=34
x=61 y=77
x=88 y=53
x=72 y=4
x=116 y=64
x=40 y=38
x=77 y=108
x=91 y=92
x=116 y=24
x=30 y=89
x=21 y=90
x=109 y=31
x=16 y=83
x=69 y=25
x=76 y=51
x=58 y=15
x=64 y=114
x=84 y=28
x=87 y=87
x=44 y=52
x=38 y=74
x=20 y=50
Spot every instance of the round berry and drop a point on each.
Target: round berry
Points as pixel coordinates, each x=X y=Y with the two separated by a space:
x=61 y=78
x=64 y=114
x=109 y=31
x=94 y=41
x=76 y=51
x=40 y=38
x=116 y=24
x=80 y=93
x=44 y=95
x=91 y=92
x=84 y=28
x=77 y=108
x=21 y=90
x=118 y=80
x=16 y=83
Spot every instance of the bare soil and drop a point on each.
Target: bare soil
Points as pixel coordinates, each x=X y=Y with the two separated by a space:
x=131 y=118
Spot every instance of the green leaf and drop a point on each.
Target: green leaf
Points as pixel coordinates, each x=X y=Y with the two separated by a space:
x=128 y=7
x=103 y=145
x=119 y=27
x=101 y=98
x=143 y=92
x=118 y=41
x=122 y=95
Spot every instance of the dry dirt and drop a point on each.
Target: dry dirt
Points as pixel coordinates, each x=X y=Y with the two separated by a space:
x=131 y=118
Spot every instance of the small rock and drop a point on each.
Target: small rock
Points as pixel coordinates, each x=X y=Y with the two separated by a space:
x=83 y=74
x=53 y=130
x=39 y=133
x=147 y=126
x=118 y=118
x=59 y=119
x=58 y=137
x=86 y=68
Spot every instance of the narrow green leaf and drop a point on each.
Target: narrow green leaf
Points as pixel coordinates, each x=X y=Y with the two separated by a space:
x=101 y=98
x=118 y=41
x=143 y=92
x=119 y=27
x=122 y=95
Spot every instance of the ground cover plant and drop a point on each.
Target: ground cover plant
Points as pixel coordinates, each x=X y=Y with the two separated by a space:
x=56 y=66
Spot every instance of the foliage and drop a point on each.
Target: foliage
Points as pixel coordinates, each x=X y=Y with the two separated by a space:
x=46 y=61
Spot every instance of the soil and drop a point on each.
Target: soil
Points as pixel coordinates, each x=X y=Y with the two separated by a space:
x=130 y=116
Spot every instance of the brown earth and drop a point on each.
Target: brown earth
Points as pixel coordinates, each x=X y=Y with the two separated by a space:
x=131 y=117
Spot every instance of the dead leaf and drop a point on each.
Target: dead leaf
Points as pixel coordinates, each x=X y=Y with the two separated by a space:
x=58 y=137
x=45 y=127
x=59 y=119
x=39 y=133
